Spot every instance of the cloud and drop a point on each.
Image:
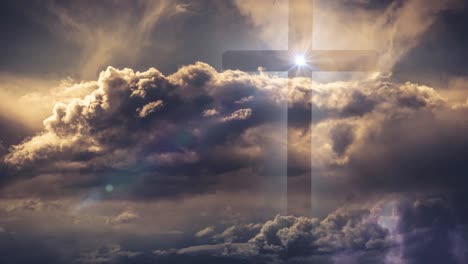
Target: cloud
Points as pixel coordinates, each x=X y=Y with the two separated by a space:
x=341 y=230
x=149 y=108
x=174 y=149
x=288 y=237
x=32 y=205
x=124 y=218
x=105 y=34
x=391 y=28
x=109 y=254
x=238 y=233
x=174 y=158
x=182 y=8
x=205 y=231
x=404 y=230
x=342 y=136
x=241 y=114
x=244 y=100
x=28 y=100
x=105 y=129
x=433 y=224
x=420 y=229
x=210 y=112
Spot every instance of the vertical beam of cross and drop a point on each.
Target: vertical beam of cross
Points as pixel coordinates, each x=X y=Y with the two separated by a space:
x=300 y=35
x=299 y=183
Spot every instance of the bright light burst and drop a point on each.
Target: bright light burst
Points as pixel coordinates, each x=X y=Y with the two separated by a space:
x=300 y=60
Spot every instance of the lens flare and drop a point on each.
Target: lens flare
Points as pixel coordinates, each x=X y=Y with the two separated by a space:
x=300 y=60
x=109 y=188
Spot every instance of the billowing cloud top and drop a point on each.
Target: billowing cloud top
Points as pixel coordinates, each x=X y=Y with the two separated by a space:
x=199 y=127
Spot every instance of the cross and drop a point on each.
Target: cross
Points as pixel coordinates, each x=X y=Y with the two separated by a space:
x=300 y=43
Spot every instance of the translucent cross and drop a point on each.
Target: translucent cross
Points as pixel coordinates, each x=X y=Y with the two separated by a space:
x=300 y=34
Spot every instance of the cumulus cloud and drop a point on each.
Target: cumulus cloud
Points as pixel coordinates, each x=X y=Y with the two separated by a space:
x=286 y=237
x=148 y=117
x=353 y=130
x=341 y=230
x=28 y=100
x=420 y=229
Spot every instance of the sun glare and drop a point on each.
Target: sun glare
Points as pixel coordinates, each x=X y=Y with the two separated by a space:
x=300 y=60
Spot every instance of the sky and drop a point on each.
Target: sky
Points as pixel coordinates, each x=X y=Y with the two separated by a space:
x=124 y=140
